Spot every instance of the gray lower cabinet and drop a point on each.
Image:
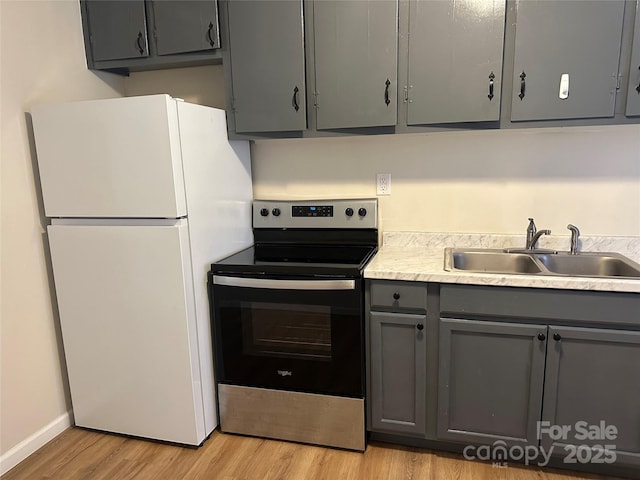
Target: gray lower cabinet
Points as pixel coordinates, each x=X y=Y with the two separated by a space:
x=490 y=381
x=398 y=375
x=495 y=379
x=455 y=61
x=566 y=59
x=592 y=391
x=139 y=35
x=355 y=63
x=267 y=63
x=633 y=94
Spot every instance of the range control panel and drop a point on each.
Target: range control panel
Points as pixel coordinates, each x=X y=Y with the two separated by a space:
x=312 y=211
x=355 y=213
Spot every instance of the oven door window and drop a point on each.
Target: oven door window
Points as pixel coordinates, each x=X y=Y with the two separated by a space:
x=302 y=340
x=287 y=330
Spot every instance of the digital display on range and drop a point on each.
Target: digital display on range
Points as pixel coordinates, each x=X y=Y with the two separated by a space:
x=312 y=211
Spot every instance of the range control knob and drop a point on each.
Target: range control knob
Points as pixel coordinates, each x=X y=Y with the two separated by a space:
x=264 y=212
x=349 y=212
x=362 y=212
x=276 y=212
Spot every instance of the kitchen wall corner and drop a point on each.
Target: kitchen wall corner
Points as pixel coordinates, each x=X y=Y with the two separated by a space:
x=42 y=60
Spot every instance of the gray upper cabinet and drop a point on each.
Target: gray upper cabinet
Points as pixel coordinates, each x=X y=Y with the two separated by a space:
x=490 y=381
x=592 y=376
x=355 y=63
x=267 y=65
x=190 y=27
x=123 y=36
x=118 y=29
x=455 y=61
x=398 y=372
x=566 y=59
x=633 y=95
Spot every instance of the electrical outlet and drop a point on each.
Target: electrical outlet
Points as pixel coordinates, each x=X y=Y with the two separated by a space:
x=383 y=184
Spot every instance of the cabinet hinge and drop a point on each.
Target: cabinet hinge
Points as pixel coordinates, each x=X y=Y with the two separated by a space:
x=619 y=81
x=315 y=100
x=406 y=94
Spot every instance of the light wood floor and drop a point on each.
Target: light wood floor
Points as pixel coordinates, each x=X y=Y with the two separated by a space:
x=83 y=454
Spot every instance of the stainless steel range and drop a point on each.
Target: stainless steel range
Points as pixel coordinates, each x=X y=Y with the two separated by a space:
x=288 y=323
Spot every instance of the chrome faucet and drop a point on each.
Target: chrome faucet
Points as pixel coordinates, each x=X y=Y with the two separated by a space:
x=575 y=233
x=532 y=245
x=533 y=235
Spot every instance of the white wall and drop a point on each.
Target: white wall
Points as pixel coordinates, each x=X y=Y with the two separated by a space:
x=201 y=85
x=488 y=181
x=41 y=60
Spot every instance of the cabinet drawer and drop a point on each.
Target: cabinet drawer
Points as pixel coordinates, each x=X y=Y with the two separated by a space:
x=399 y=296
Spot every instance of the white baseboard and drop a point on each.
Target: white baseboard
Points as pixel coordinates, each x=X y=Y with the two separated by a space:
x=32 y=443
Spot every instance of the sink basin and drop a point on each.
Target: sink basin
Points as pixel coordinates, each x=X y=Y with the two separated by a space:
x=491 y=261
x=590 y=264
x=484 y=260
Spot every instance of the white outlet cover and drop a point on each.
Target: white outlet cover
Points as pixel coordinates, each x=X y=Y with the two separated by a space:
x=383 y=184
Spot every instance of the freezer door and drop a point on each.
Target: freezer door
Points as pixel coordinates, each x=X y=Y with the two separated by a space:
x=127 y=313
x=110 y=158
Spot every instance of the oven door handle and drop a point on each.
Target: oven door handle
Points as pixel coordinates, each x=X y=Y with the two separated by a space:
x=269 y=283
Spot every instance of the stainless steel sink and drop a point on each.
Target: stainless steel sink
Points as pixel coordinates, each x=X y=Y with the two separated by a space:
x=590 y=264
x=491 y=261
x=482 y=260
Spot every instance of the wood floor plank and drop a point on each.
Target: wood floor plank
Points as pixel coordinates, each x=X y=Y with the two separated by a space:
x=79 y=454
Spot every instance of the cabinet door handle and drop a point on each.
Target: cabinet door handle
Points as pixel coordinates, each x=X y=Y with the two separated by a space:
x=638 y=87
x=523 y=85
x=420 y=326
x=294 y=100
x=140 y=43
x=210 y=34
x=542 y=337
x=557 y=337
x=491 y=78
x=386 y=92
x=396 y=296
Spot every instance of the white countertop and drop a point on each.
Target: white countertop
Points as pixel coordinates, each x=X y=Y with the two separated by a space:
x=419 y=256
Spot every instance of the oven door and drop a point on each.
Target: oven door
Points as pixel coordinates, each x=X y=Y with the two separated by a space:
x=300 y=335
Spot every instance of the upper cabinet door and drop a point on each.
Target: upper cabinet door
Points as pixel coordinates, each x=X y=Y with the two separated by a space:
x=185 y=26
x=633 y=95
x=267 y=65
x=118 y=29
x=356 y=62
x=566 y=59
x=455 y=60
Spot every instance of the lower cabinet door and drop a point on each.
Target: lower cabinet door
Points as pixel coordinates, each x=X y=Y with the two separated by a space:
x=490 y=381
x=591 y=411
x=398 y=373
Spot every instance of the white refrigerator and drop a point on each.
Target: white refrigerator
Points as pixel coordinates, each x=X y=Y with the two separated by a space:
x=144 y=193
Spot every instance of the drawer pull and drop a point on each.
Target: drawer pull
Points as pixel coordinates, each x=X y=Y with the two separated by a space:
x=396 y=296
x=420 y=326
